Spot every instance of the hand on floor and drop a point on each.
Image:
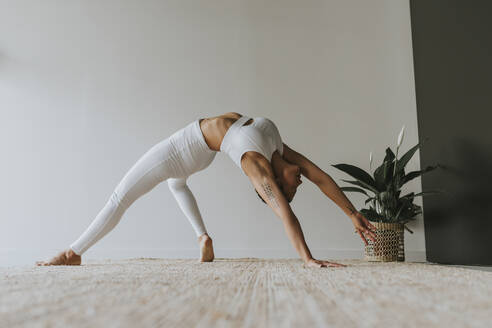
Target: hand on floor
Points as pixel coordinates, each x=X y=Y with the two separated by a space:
x=322 y=264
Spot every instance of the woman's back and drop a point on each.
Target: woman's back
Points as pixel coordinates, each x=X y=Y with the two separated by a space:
x=214 y=128
x=257 y=134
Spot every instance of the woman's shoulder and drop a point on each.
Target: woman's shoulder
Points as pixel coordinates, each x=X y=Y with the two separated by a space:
x=223 y=121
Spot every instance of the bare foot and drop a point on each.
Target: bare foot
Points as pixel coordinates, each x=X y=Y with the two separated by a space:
x=206 y=248
x=67 y=257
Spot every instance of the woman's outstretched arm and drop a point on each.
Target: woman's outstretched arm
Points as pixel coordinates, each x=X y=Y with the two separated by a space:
x=329 y=187
x=262 y=177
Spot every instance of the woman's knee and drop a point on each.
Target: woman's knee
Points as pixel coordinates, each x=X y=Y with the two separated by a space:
x=119 y=200
x=176 y=183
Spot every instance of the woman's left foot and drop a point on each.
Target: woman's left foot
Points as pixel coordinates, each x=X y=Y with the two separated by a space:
x=206 y=248
x=67 y=257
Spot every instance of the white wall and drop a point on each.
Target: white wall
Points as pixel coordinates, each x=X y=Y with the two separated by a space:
x=86 y=87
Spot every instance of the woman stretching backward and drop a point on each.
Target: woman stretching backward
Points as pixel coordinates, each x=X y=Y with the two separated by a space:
x=255 y=146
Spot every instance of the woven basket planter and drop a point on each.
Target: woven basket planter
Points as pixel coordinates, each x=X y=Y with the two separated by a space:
x=389 y=245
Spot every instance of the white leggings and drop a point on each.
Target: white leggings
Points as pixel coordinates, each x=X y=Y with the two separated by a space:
x=173 y=159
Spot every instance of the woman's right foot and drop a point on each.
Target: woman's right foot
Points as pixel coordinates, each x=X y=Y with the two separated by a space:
x=206 y=248
x=67 y=257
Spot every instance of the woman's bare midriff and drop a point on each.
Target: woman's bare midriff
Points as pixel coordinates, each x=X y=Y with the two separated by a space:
x=215 y=128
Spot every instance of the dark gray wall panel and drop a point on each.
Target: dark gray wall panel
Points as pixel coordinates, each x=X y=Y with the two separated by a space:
x=452 y=44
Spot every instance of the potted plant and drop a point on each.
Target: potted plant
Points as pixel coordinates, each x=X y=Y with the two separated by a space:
x=388 y=211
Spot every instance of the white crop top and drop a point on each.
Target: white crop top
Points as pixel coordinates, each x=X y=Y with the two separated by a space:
x=261 y=136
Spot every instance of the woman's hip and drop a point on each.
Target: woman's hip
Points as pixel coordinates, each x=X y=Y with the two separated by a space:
x=164 y=161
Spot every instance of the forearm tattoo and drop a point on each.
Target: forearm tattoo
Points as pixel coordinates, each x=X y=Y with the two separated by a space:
x=352 y=211
x=269 y=193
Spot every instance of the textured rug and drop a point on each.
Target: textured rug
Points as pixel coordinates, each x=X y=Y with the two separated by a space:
x=244 y=293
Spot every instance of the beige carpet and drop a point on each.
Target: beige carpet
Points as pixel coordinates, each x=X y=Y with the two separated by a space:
x=244 y=293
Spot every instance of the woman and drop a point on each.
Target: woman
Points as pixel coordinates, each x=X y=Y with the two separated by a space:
x=255 y=146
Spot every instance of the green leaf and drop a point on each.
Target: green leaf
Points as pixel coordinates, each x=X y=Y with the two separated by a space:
x=381 y=172
x=386 y=197
x=358 y=183
x=388 y=173
x=405 y=158
x=371 y=215
x=411 y=195
x=349 y=189
x=429 y=192
x=379 y=176
x=359 y=174
x=412 y=175
x=410 y=210
x=390 y=156
x=407 y=228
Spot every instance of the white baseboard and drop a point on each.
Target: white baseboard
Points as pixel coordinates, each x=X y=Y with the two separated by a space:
x=15 y=257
